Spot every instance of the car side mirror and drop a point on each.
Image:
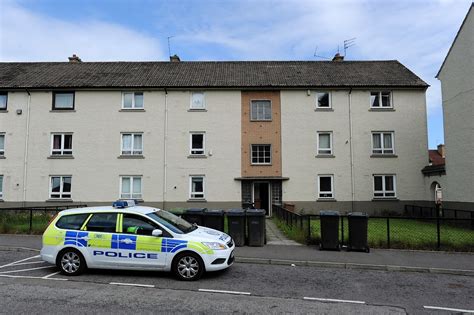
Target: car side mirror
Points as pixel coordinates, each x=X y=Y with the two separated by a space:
x=157 y=232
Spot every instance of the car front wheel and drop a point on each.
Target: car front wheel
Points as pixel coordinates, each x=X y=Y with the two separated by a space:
x=188 y=267
x=71 y=262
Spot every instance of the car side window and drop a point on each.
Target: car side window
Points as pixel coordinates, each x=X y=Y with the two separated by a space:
x=134 y=224
x=72 y=222
x=102 y=222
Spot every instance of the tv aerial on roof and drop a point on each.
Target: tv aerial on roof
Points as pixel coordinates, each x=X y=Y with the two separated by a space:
x=347 y=43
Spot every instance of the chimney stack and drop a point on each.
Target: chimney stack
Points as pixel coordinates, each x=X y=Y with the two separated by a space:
x=74 y=59
x=175 y=58
x=441 y=150
x=338 y=57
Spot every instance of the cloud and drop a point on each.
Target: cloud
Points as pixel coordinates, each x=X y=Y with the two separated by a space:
x=27 y=36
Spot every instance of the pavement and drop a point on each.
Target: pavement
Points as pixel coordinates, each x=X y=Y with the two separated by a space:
x=378 y=259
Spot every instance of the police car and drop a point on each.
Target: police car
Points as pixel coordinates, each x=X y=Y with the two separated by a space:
x=128 y=236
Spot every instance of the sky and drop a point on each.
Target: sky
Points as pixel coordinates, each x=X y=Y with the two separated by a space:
x=418 y=33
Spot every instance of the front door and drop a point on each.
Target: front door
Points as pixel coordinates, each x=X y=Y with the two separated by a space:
x=261 y=196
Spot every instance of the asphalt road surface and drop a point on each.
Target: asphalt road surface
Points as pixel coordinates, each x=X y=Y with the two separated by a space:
x=28 y=285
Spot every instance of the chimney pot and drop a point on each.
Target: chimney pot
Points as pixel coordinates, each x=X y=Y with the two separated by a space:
x=441 y=150
x=74 y=58
x=175 y=58
x=338 y=57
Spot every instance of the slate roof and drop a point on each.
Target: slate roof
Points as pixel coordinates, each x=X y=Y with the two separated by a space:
x=207 y=74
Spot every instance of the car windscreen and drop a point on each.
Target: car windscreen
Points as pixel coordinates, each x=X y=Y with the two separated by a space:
x=172 y=222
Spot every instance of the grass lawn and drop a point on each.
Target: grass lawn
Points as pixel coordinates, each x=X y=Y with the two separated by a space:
x=19 y=222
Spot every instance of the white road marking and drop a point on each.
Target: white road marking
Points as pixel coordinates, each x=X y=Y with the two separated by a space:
x=21 y=270
x=448 y=309
x=133 y=284
x=332 y=300
x=28 y=263
x=225 y=292
x=19 y=261
x=51 y=274
x=31 y=277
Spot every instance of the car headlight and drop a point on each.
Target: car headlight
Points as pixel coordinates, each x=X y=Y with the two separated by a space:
x=215 y=245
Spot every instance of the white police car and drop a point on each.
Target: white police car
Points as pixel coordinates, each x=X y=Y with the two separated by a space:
x=126 y=236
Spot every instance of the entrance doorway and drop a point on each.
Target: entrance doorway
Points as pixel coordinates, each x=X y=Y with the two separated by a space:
x=261 y=197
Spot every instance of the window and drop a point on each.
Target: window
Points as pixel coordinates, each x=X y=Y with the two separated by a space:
x=261 y=110
x=132 y=100
x=261 y=154
x=60 y=187
x=72 y=222
x=63 y=100
x=325 y=143
x=131 y=187
x=1 y=186
x=2 y=144
x=3 y=100
x=132 y=144
x=325 y=186
x=134 y=224
x=61 y=144
x=197 y=144
x=382 y=143
x=102 y=222
x=323 y=100
x=197 y=100
x=380 y=99
x=196 y=187
x=384 y=186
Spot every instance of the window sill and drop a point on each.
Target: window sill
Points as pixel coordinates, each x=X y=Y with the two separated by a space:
x=326 y=200
x=138 y=200
x=386 y=199
x=376 y=109
x=197 y=156
x=130 y=157
x=61 y=157
x=60 y=200
x=132 y=110
x=62 y=111
x=251 y=164
x=2 y=157
x=260 y=120
x=323 y=109
x=325 y=156
x=197 y=110
x=3 y=111
x=384 y=156
x=197 y=200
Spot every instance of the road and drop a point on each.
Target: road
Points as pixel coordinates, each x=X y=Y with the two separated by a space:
x=263 y=288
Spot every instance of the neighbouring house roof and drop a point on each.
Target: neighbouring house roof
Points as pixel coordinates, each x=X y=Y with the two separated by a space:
x=455 y=38
x=437 y=164
x=436 y=158
x=206 y=74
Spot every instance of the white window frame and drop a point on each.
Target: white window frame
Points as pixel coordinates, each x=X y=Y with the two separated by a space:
x=382 y=149
x=332 y=187
x=2 y=150
x=192 y=194
x=384 y=191
x=380 y=99
x=131 y=194
x=61 y=151
x=191 y=149
x=133 y=152
x=251 y=154
x=61 y=187
x=330 y=144
x=257 y=118
x=1 y=186
x=133 y=101
x=329 y=99
x=191 y=105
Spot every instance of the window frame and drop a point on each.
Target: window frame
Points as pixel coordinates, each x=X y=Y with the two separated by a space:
x=191 y=149
x=132 y=134
x=332 y=192
x=132 y=179
x=4 y=109
x=319 y=153
x=54 y=108
x=191 y=193
x=329 y=99
x=263 y=119
x=191 y=107
x=251 y=154
x=382 y=143
x=384 y=191
x=134 y=107
x=61 y=188
x=2 y=150
x=61 y=150
x=380 y=106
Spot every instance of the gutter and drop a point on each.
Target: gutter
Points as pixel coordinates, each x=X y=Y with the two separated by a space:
x=27 y=132
x=351 y=152
x=165 y=139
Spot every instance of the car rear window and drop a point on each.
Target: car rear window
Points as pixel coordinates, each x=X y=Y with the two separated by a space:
x=72 y=222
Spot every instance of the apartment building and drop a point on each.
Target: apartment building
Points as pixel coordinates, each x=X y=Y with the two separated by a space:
x=345 y=135
x=457 y=87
